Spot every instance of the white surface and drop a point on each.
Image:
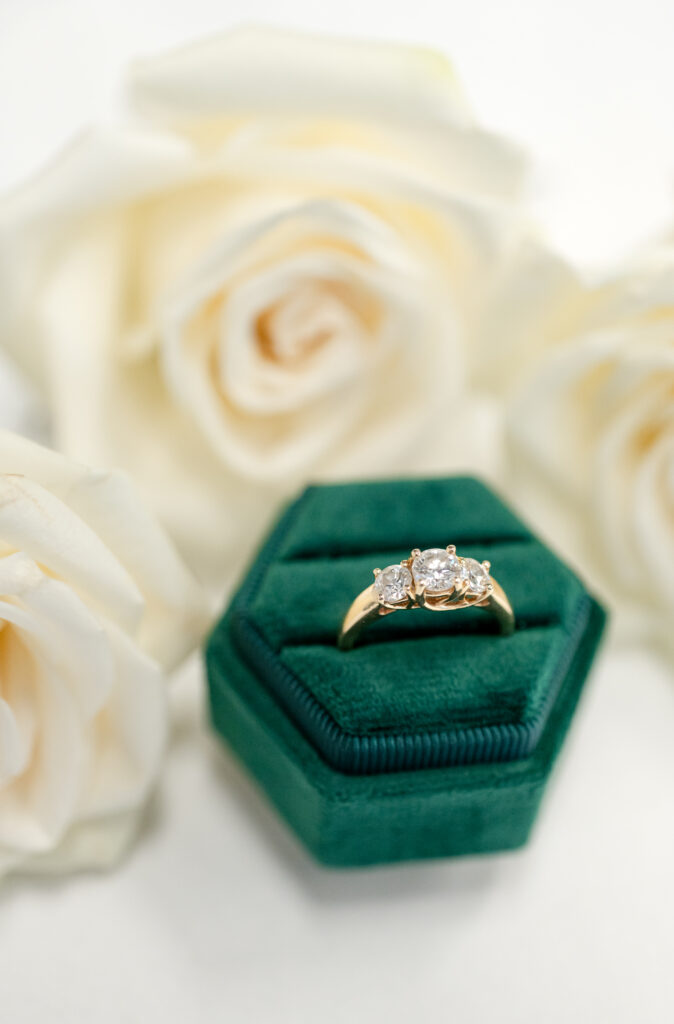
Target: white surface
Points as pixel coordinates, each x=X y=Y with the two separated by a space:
x=217 y=914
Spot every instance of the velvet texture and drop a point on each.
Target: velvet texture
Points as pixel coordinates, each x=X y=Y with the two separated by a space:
x=435 y=735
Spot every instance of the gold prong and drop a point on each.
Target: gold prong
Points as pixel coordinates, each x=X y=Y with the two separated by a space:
x=376 y=572
x=486 y=565
x=451 y=549
x=415 y=552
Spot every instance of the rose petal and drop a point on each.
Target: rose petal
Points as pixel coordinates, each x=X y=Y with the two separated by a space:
x=34 y=521
x=267 y=235
x=77 y=770
x=12 y=747
x=653 y=525
x=99 y=843
x=121 y=557
x=59 y=630
x=534 y=301
x=108 y=165
x=259 y=70
x=560 y=445
x=625 y=491
x=104 y=169
x=36 y=808
x=469 y=234
x=451 y=158
x=129 y=735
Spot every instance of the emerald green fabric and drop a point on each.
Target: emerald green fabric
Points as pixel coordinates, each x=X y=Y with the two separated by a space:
x=421 y=689
x=434 y=736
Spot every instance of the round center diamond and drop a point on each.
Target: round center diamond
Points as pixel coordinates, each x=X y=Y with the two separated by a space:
x=437 y=570
x=391 y=584
x=477 y=576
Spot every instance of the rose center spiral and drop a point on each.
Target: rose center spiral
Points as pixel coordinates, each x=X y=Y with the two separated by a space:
x=313 y=314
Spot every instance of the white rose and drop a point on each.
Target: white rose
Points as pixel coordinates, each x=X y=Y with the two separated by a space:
x=92 y=598
x=592 y=439
x=267 y=272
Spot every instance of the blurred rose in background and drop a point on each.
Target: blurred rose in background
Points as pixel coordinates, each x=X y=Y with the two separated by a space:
x=592 y=441
x=94 y=605
x=292 y=258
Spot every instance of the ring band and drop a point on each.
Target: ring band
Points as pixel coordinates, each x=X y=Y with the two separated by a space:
x=437 y=579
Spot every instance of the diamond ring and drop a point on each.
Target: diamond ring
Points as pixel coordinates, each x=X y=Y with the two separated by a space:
x=437 y=579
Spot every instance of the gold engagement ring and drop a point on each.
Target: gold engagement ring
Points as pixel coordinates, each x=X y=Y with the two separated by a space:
x=437 y=579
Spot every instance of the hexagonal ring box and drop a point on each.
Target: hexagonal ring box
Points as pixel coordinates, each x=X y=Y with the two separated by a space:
x=435 y=735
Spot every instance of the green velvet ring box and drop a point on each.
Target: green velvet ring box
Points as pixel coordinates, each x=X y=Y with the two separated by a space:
x=435 y=735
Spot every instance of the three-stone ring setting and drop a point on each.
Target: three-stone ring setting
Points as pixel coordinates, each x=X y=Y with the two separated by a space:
x=437 y=579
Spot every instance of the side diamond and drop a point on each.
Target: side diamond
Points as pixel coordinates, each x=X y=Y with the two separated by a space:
x=392 y=583
x=477 y=577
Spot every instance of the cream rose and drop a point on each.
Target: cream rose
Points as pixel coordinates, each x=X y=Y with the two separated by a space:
x=269 y=271
x=592 y=434
x=93 y=602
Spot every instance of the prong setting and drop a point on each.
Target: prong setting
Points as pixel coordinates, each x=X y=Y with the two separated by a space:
x=436 y=578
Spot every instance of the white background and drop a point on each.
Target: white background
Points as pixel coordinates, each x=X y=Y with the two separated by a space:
x=217 y=915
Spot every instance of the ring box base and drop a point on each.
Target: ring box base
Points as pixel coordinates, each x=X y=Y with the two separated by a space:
x=449 y=756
